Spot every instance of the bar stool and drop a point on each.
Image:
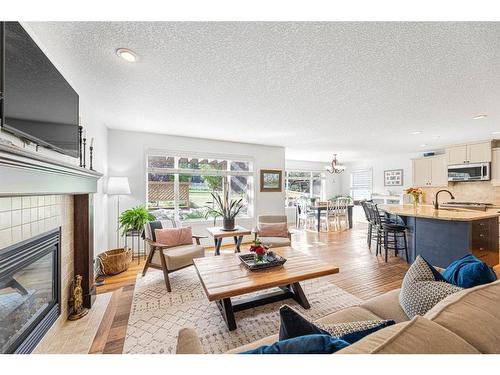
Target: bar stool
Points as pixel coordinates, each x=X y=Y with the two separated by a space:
x=370 y=223
x=388 y=234
x=375 y=220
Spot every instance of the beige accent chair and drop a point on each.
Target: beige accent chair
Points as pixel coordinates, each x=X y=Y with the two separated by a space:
x=467 y=322
x=273 y=241
x=169 y=258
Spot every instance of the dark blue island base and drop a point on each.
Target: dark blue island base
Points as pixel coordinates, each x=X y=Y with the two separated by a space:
x=441 y=242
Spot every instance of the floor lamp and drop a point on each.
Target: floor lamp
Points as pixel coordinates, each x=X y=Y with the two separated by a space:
x=118 y=186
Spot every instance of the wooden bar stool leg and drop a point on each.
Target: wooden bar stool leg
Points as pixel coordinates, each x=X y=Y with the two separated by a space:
x=386 y=244
x=395 y=244
x=406 y=248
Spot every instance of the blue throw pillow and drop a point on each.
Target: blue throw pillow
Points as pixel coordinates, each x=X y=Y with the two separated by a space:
x=468 y=272
x=293 y=324
x=310 y=344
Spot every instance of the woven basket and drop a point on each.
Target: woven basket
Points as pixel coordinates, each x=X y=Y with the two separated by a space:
x=115 y=261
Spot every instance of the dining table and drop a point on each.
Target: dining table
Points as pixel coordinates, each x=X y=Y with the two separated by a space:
x=319 y=208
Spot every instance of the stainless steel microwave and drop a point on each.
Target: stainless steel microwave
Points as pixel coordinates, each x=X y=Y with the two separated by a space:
x=469 y=172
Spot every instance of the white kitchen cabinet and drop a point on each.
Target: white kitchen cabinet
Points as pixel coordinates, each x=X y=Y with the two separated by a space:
x=457 y=154
x=469 y=153
x=421 y=172
x=479 y=152
x=430 y=171
x=495 y=167
x=439 y=171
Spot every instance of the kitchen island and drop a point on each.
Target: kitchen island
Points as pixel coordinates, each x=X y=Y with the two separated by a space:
x=444 y=235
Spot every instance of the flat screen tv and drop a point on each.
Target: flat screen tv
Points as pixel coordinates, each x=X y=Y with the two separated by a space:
x=38 y=103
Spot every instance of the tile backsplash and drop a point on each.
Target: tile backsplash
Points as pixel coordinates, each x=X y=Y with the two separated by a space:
x=482 y=191
x=25 y=217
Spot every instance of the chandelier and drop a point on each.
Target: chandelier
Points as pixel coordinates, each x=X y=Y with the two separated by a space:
x=335 y=168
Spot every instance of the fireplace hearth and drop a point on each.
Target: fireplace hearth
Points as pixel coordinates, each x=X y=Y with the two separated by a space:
x=30 y=291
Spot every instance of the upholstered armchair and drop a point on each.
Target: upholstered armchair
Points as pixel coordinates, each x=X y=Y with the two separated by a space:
x=262 y=231
x=169 y=258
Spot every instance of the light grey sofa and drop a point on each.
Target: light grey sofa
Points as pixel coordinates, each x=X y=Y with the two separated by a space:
x=273 y=241
x=467 y=322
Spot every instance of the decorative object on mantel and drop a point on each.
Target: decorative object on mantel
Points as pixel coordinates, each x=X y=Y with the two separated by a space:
x=415 y=193
x=225 y=207
x=118 y=186
x=334 y=167
x=78 y=311
x=84 y=149
x=80 y=138
x=393 y=177
x=113 y=262
x=91 y=149
x=271 y=180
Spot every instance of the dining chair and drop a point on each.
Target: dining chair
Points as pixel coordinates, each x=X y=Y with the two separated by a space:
x=304 y=215
x=340 y=212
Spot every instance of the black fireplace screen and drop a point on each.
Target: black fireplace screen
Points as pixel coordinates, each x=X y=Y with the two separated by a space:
x=29 y=291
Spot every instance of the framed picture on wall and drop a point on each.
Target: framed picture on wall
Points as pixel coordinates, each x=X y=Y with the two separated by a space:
x=271 y=180
x=393 y=177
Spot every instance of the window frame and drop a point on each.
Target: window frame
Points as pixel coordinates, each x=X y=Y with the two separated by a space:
x=225 y=174
x=311 y=179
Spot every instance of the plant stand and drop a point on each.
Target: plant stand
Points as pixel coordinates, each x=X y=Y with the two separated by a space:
x=135 y=237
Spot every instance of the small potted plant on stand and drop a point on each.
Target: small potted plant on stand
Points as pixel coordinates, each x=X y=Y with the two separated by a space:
x=135 y=219
x=225 y=207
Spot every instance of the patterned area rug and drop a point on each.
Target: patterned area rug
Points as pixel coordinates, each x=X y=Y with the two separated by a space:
x=156 y=315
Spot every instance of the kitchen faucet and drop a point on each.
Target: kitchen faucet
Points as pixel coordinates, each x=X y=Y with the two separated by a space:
x=436 y=203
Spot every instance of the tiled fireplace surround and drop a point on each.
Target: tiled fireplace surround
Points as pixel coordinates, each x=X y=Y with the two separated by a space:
x=38 y=194
x=24 y=217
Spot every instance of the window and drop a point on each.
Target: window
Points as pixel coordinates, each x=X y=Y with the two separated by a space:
x=184 y=184
x=361 y=184
x=305 y=184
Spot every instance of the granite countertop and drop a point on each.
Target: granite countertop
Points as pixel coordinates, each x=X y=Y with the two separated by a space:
x=428 y=212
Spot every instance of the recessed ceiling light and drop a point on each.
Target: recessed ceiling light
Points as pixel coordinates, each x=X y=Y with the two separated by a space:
x=126 y=54
x=436 y=137
x=479 y=117
x=423 y=145
x=416 y=132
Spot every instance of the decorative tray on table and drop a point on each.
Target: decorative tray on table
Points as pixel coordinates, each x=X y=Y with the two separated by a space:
x=267 y=262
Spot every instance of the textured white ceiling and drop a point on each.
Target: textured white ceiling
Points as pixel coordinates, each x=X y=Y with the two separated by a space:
x=357 y=89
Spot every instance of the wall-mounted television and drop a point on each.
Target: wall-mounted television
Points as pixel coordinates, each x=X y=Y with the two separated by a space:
x=38 y=104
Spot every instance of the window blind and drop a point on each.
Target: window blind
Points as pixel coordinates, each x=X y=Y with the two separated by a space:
x=361 y=184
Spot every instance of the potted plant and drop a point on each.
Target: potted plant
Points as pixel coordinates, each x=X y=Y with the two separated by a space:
x=134 y=219
x=224 y=207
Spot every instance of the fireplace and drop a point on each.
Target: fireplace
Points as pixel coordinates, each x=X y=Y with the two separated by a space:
x=30 y=291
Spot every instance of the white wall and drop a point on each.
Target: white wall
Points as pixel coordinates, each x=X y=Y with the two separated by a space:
x=126 y=157
x=379 y=165
x=333 y=183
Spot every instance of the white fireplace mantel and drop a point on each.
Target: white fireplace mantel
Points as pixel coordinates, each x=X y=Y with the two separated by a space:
x=27 y=173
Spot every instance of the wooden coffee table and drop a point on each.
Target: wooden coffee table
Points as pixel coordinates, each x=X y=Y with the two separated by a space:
x=218 y=234
x=224 y=277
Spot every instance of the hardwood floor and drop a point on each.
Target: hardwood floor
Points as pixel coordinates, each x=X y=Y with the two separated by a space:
x=361 y=274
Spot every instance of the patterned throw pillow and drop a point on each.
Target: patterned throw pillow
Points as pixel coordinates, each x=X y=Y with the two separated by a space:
x=293 y=324
x=423 y=287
